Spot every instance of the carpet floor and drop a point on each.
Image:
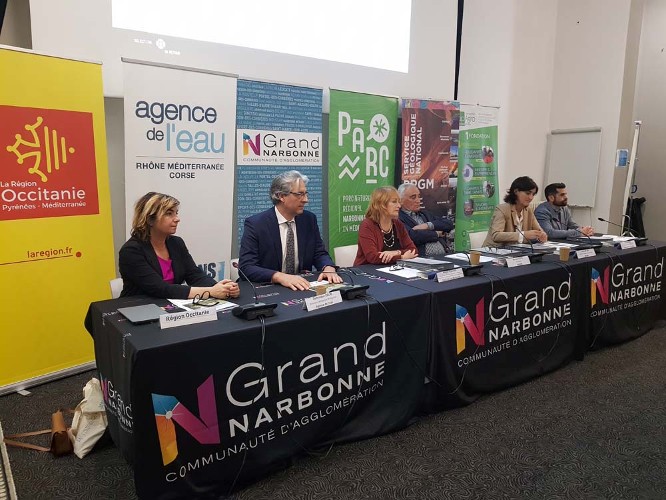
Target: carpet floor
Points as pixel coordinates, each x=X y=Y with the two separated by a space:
x=593 y=429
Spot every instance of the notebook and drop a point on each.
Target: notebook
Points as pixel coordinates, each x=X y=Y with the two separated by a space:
x=142 y=314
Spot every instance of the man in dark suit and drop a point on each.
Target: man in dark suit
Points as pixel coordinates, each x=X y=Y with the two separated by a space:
x=281 y=242
x=426 y=231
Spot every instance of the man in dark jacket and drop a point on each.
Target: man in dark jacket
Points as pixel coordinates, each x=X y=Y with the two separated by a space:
x=426 y=231
x=281 y=242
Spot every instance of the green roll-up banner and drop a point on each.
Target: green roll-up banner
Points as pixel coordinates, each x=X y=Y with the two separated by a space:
x=361 y=157
x=477 y=191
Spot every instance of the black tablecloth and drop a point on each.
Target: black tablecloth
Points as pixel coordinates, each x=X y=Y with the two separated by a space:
x=502 y=327
x=202 y=407
x=626 y=293
x=508 y=325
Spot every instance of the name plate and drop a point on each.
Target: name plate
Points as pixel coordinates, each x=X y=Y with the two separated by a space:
x=518 y=261
x=321 y=301
x=188 y=317
x=451 y=274
x=627 y=244
x=585 y=252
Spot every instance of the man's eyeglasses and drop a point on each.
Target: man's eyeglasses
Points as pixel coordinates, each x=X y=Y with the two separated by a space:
x=299 y=194
x=204 y=300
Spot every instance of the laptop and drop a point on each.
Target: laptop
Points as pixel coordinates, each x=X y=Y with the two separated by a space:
x=139 y=315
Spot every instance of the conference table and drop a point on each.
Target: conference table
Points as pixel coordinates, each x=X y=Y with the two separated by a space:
x=212 y=406
x=508 y=325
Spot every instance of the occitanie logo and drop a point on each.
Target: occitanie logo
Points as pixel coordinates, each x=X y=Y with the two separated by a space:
x=47 y=163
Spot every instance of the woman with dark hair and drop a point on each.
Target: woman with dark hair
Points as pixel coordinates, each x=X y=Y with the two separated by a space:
x=514 y=220
x=155 y=262
x=382 y=237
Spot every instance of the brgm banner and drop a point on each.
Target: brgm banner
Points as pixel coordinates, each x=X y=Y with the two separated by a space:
x=279 y=129
x=55 y=216
x=361 y=157
x=430 y=152
x=179 y=126
x=477 y=194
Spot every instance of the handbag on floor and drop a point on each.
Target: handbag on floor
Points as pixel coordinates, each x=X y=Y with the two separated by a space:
x=60 y=441
x=89 y=421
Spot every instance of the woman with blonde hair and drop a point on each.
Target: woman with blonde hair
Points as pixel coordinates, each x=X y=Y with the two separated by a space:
x=155 y=262
x=382 y=238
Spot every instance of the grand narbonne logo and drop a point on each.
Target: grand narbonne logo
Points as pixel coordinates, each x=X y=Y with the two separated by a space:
x=599 y=285
x=169 y=410
x=464 y=322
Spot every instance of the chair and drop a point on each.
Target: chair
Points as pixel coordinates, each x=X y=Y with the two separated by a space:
x=477 y=238
x=233 y=272
x=344 y=256
x=116 y=287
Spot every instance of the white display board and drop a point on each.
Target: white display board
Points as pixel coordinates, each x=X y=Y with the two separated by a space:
x=573 y=158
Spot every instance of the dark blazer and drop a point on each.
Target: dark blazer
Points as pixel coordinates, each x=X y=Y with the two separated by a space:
x=142 y=274
x=261 y=248
x=422 y=236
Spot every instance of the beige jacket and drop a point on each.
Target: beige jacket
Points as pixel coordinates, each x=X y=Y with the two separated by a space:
x=503 y=225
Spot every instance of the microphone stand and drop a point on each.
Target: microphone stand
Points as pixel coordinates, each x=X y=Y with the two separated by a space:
x=534 y=257
x=255 y=310
x=627 y=232
x=592 y=244
x=352 y=291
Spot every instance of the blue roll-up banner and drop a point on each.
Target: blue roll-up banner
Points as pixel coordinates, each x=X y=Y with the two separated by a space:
x=278 y=129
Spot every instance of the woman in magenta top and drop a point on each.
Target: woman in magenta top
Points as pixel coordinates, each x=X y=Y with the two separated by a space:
x=382 y=238
x=155 y=262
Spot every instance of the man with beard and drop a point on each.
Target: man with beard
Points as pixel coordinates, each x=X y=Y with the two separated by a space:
x=284 y=241
x=554 y=215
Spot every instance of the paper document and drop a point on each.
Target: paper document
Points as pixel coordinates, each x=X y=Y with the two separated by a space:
x=404 y=272
x=314 y=285
x=187 y=304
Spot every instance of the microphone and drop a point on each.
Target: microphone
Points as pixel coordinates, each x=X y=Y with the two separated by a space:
x=535 y=256
x=582 y=233
x=591 y=243
x=252 y=311
x=352 y=291
x=525 y=238
x=348 y=272
x=631 y=231
x=470 y=269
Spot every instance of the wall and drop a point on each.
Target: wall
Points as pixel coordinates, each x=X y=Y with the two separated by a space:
x=651 y=110
x=626 y=130
x=507 y=60
x=588 y=83
x=115 y=140
x=84 y=31
x=548 y=64
x=16 y=25
x=551 y=65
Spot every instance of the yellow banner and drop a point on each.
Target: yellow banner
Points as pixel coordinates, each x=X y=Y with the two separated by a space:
x=56 y=250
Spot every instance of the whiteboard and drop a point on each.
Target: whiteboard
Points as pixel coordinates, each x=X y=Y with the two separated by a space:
x=573 y=158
